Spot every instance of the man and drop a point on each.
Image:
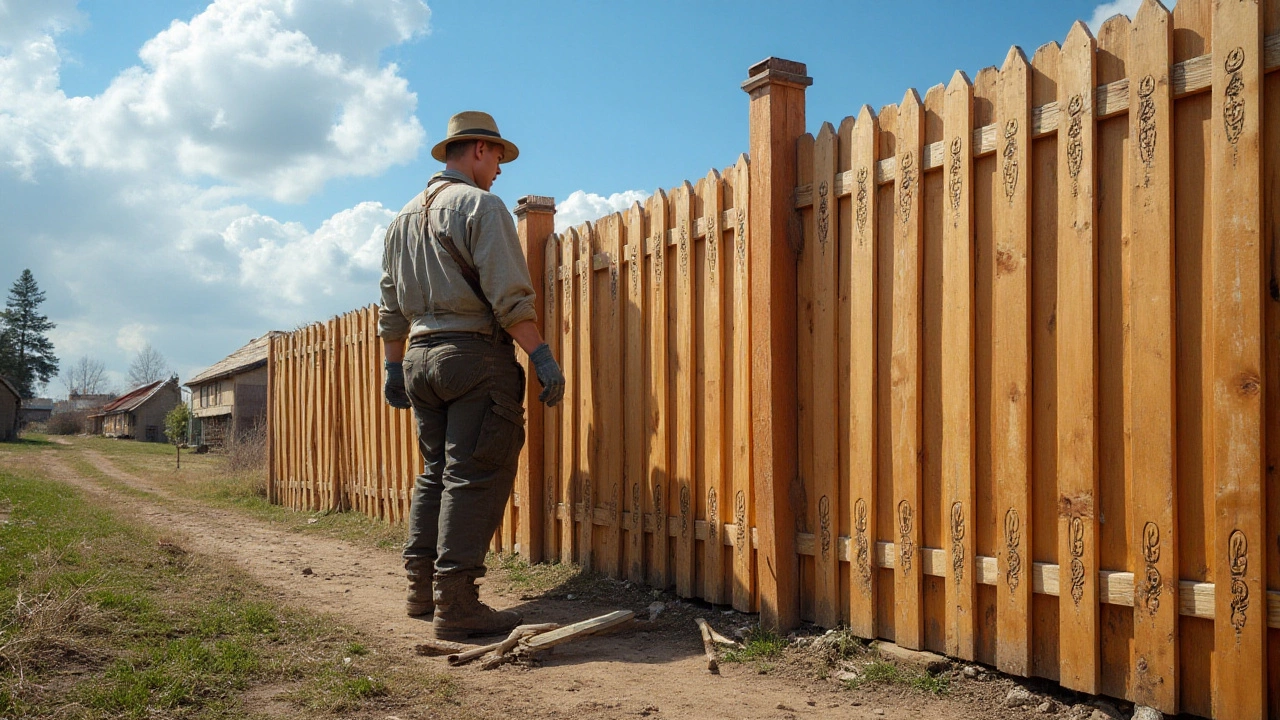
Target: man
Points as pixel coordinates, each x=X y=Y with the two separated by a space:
x=456 y=290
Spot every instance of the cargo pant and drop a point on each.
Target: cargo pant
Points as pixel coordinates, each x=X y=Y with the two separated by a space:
x=468 y=397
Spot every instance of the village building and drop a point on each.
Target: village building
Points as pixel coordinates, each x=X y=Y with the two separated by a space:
x=10 y=401
x=35 y=410
x=78 y=402
x=139 y=413
x=229 y=398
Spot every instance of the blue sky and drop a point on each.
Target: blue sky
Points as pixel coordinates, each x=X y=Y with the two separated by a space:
x=193 y=174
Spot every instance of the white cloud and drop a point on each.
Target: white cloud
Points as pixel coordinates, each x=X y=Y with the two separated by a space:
x=1103 y=12
x=583 y=206
x=133 y=337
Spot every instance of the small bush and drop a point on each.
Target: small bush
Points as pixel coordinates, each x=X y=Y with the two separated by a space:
x=72 y=422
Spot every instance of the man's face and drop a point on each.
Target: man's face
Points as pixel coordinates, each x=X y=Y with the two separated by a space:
x=487 y=167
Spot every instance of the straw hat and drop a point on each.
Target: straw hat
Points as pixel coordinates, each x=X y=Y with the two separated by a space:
x=474 y=125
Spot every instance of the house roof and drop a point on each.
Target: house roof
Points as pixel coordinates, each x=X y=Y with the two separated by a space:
x=249 y=357
x=133 y=399
x=37 y=404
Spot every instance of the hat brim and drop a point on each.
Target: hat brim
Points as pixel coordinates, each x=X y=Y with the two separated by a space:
x=511 y=152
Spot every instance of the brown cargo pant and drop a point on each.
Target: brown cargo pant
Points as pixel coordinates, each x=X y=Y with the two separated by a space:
x=468 y=397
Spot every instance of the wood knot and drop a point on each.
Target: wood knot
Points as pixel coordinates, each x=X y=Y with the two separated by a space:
x=1249 y=384
x=1006 y=261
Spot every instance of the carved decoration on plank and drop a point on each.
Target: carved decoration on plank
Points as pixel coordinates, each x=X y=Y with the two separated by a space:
x=550 y=293
x=1010 y=168
x=824 y=219
x=1075 y=530
x=613 y=285
x=862 y=206
x=742 y=240
x=713 y=517
x=633 y=257
x=1147 y=125
x=906 y=547
x=907 y=185
x=635 y=506
x=740 y=517
x=1075 y=146
x=658 y=259
x=957 y=542
x=1153 y=585
x=1013 y=547
x=955 y=177
x=713 y=245
x=824 y=522
x=659 y=513
x=684 y=248
x=684 y=510
x=1237 y=565
x=1233 y=104
x=588 y=502
x=566 y=277
x=863 y=555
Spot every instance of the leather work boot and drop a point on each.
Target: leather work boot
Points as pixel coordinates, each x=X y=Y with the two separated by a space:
x=421 y=601
x=460 y=614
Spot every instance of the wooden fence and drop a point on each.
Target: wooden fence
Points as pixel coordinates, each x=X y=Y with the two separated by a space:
x=984 y=373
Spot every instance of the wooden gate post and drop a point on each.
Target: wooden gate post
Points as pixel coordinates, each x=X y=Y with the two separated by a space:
x=777 y=110
x=536 y=217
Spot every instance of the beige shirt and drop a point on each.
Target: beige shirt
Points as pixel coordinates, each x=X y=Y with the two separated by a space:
x=423 y=291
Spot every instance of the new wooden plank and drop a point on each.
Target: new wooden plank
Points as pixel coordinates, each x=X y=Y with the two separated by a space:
x=1235 y=341
x=1077 y=366
x=804 y=496
x=607 y=412
x=821 y=256
x=958 y=366
x=740 y=378
x=905 y=372
x=659 y=408
x=683 y=361
x=842 y=525
x=587 y=460
x=1011 y=365
x=861 y=442
x=1150 y=385
x=568 y=311
x=713 y=437
x=635 y=383
x=552 y=417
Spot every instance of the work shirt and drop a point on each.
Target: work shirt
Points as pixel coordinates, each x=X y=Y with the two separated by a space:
x=424 y=292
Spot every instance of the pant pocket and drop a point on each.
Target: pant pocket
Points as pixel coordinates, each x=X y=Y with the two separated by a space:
x=501 y=433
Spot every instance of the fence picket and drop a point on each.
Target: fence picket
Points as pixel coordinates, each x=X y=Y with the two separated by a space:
x=568 y=480
x=682 y=371
x=552 y=417
x=711 y=359
x=635 y=404
x=609 y=423
x=740 y=380
x=659 y=407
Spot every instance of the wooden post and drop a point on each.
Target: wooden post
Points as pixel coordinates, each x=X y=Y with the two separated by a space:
x=777 y=116
x=536 y=217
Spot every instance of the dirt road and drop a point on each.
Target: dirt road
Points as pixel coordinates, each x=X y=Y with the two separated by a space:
x=652 y=670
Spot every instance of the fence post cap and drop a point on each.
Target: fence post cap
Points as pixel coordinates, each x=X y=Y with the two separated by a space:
x=535 y=204
x=777 y=71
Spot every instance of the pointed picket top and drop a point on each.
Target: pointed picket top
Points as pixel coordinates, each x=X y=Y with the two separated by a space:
x=959 y=81
x=846 y=127
x=910 y=97
x=985 y=75
x=866 y=115
x=1045 y=50
x=1079 y=34
x=1014 y=59
x=934 y=94
x=1117 y=25
x=742 y=160
x=713 y=175
x=1151 y=11
x=826 y=129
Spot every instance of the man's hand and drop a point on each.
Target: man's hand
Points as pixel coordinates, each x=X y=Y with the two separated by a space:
x=549 y=375
x=393 y=388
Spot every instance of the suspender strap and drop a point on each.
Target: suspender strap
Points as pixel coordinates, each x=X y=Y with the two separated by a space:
x=469 y=273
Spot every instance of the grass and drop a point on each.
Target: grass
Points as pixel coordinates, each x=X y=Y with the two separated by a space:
x=102 y=618
x=879 y=672
x=761 y=647
x=519 y=576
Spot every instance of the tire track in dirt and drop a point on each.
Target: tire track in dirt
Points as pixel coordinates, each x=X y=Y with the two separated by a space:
x=629 y=674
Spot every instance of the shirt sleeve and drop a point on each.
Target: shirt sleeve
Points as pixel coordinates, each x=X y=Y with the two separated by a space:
x=392 y=324
x=504 y=273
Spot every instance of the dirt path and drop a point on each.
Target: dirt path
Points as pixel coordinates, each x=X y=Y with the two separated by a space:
x=638 y=672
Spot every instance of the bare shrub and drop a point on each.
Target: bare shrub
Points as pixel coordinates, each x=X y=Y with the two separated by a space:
x=72 y=422
x=247 y=456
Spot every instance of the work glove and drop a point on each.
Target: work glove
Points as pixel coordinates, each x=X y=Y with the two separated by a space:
x=549 y=375
x=393 y=388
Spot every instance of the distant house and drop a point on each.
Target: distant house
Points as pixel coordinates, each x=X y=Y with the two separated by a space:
x=230 y=397
x=10 y=401
x=35 y=410
x=139 y=413
x=78 y=402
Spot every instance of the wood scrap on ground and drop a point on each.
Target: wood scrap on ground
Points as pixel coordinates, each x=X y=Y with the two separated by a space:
x=708 y=646
x=524 y=642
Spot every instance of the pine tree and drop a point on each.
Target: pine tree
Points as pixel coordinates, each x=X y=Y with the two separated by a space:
x=26 y=354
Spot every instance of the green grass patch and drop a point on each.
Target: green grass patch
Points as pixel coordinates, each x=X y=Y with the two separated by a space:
x=103 y=618
x=879 y=672
x=758 y=646
x=516 y=575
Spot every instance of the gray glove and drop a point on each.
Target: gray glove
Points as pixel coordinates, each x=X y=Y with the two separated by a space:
x=393 y=388
x=549 y=375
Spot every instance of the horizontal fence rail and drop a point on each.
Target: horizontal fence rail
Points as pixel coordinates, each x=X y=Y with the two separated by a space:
x=988 y=372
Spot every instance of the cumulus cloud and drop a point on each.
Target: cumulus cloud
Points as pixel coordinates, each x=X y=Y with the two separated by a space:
x=135 y=207
x=583 y=206
x=1103 y=12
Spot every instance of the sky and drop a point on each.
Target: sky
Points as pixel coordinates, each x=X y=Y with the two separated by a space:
x=191 y=175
